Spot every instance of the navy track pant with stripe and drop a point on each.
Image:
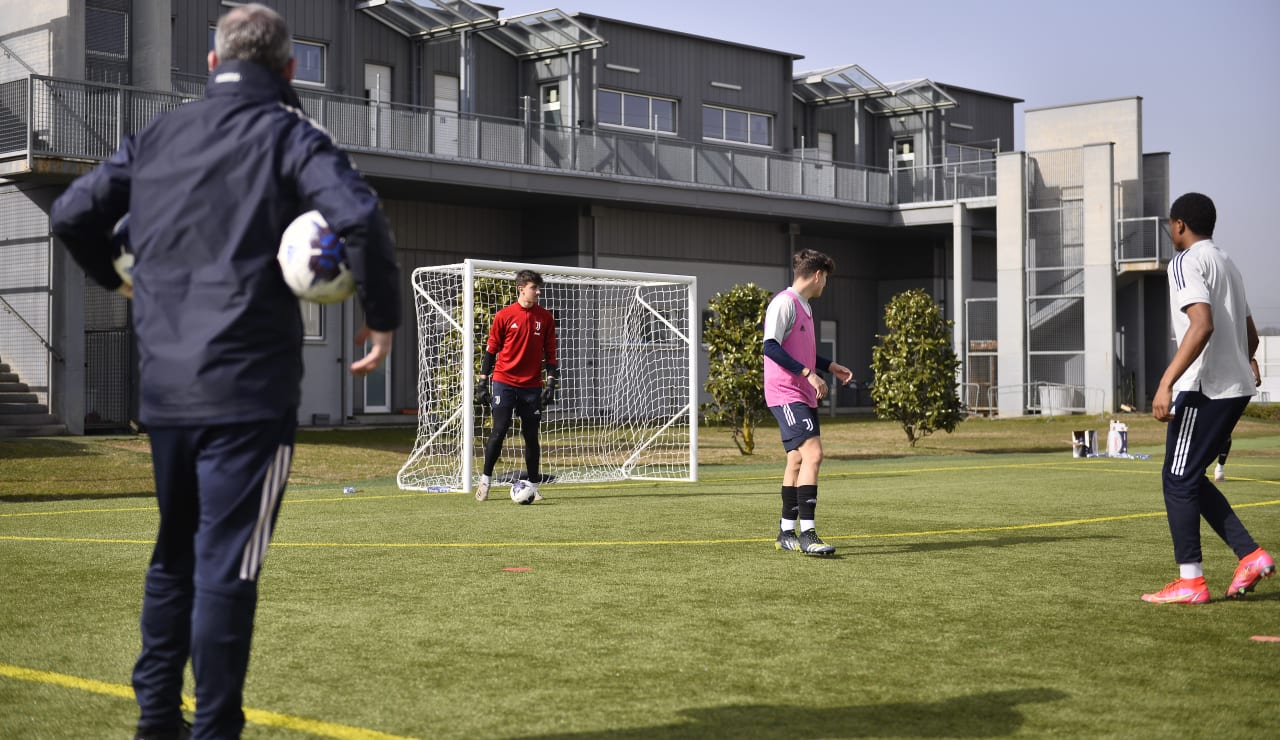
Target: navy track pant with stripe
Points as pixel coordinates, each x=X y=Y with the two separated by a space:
x=1199 y=429
x=219 y=490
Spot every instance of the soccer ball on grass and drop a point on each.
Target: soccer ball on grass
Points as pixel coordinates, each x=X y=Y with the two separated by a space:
x=523 y=491
x=314 y=261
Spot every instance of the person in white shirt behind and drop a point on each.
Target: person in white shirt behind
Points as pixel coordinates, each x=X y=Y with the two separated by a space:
x=1202 y=395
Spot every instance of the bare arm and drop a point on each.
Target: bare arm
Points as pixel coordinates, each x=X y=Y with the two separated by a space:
x=1253 y=350
x=380 y=348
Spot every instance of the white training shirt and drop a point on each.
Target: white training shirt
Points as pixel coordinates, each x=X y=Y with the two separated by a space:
x=781 y=315
x=1203 y=273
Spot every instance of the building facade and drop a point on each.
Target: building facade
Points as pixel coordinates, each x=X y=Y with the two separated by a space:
x=573 y=139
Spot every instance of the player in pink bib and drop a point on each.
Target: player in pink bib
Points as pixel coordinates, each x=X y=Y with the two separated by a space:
x=792 y=389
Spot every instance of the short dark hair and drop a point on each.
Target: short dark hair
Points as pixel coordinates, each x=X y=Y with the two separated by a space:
x=254 y=33
x=808 y=261
x=1196 y=211
x=524 y=277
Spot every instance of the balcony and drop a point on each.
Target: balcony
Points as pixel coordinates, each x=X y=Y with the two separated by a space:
x=1142 y=244
x=49 y=124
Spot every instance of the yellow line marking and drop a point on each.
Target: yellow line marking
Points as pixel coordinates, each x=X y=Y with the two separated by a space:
x=75 y=511
x=634 y=543
x=256 y=716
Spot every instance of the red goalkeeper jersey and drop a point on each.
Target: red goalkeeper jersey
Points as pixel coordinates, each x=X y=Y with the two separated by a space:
x=522 y=338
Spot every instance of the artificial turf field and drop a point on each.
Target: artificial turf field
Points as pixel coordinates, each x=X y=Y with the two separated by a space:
x=973 y=595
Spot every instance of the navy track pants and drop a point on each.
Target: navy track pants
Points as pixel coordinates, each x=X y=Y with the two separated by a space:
x=219 y=490
x=1199 y=429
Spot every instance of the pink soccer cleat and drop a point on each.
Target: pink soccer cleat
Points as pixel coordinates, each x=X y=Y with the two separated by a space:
x=1252 y=568
x=1181 y=591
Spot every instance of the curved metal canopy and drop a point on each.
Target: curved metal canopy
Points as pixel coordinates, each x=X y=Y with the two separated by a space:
x=529 y=36
x=852 y=82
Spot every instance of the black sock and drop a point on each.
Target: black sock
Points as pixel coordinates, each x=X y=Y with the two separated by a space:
x=806 y=501
x=789 y=502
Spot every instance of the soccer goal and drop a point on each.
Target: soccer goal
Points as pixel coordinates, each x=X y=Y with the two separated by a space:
x=626 y=346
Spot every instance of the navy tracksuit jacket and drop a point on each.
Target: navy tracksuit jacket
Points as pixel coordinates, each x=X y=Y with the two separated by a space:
x=210 y=187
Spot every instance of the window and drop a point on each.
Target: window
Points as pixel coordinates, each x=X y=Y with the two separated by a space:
x=310 y=56
x=741 y=127
x=312 y=320
x=310 y=68
x=635 y=111
x=106 y=53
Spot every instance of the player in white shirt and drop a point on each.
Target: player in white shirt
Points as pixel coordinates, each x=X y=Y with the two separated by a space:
x=1202 y=395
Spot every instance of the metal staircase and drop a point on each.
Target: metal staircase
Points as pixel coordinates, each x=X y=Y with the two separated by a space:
x=21 y=413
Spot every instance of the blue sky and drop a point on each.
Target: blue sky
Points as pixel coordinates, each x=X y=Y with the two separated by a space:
x=1208 y=72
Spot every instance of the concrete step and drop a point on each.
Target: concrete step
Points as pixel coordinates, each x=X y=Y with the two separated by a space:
x=23 y=420
x=8 y=377
x=13 y=387
x=11 y=397
x=22 y=408
x=33 y=430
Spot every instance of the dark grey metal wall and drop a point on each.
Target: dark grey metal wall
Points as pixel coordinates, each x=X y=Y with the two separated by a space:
x=351 y=39
x=990 y=116
x=682 y=67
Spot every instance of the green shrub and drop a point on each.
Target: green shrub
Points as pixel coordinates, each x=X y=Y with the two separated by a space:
x=734 y=335
x=915 y=368
x=1264 y=411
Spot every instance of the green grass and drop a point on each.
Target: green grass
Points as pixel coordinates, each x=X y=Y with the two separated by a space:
x=986 y=585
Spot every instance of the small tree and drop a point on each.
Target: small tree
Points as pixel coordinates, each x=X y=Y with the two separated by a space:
x=734 y=335
x=915 y=368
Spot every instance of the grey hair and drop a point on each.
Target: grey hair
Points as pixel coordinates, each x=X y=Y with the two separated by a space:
x=254 y=33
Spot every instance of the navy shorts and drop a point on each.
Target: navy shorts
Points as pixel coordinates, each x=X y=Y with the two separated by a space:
x=798 y=422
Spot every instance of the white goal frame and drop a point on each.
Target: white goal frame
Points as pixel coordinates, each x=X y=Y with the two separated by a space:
x=449 y=445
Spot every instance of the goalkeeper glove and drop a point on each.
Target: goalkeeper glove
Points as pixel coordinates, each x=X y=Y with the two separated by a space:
x=483 y=396
x=549 y=392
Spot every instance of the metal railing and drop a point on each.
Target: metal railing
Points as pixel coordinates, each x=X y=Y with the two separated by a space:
x=1046 y=399
x=9 y=309
x=1143 y=240
x=85 y=120
x=945 y=182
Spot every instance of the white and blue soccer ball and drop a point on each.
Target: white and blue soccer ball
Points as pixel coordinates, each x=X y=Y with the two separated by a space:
x=313 y=261
x=121 y=251
x=523 y=491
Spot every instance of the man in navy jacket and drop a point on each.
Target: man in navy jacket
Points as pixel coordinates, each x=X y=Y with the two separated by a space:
x=209 y=189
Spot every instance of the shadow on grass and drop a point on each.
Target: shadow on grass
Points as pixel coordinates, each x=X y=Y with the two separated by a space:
x=39 y=498
x=34 y=448
x=991 y=714
x=995 y=542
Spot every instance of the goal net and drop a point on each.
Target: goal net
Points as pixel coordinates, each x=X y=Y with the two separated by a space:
x=627 y=404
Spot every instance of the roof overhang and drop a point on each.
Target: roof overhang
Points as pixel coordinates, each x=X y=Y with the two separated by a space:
x=529 y=36
x=431 y=20
x=852 y=83
x=837 y=85
x=913 y=96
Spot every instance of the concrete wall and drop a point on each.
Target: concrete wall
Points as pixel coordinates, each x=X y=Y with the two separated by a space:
x=1099 y=280
x=1269 y=365
x=151 y=39
x=47 y=36
x=1011 y=312
x=1118 y=122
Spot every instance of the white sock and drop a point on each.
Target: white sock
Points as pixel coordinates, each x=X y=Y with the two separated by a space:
x=485 y=479
x=806 y=525
x=1190 y=570
x=787 y=525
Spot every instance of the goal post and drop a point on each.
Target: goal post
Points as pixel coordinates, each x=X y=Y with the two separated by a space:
x=627 y=351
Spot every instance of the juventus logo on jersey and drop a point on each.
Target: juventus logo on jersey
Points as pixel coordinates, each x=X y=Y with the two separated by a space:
x=537 y=327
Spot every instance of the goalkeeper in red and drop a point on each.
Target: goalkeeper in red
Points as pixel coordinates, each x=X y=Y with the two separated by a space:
x=521 y=342
x=792 y=388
